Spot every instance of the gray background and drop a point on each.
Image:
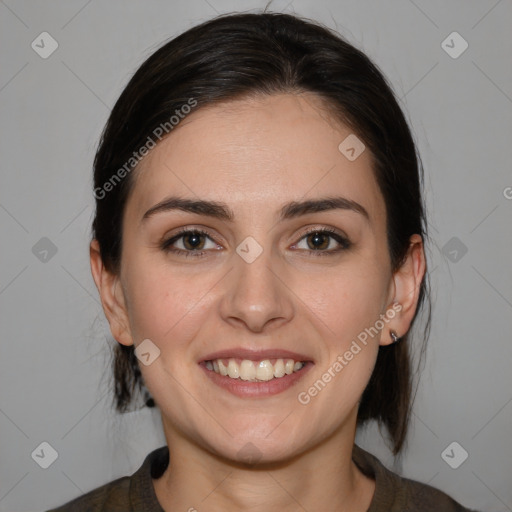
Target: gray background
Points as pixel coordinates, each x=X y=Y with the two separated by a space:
x=54 y=372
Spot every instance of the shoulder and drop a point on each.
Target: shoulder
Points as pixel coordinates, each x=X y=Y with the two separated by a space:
x=128 y=493
x=394 y=493
x=113 y=496
x=423 y=497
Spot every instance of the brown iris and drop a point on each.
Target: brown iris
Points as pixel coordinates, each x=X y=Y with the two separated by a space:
x=318 y=237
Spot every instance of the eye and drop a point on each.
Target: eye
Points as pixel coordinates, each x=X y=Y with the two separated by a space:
x=189 y=242
x=194 y=242
x=323 y=242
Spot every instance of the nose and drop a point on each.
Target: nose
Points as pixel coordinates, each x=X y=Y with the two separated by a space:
x=256 y=294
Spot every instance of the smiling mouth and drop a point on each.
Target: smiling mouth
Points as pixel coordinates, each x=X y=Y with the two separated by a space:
x=254 y=371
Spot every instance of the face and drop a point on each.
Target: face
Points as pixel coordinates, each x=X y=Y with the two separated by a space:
x=254 y=277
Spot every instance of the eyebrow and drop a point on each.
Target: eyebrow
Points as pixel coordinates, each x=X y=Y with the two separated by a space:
x=222 y=211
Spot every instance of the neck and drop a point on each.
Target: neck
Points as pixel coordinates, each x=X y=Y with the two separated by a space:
x=322 y=478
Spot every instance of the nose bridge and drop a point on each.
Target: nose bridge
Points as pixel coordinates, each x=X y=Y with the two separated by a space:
x=255 y=292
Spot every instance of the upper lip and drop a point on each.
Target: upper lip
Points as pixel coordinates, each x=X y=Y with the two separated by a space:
x=256 y=355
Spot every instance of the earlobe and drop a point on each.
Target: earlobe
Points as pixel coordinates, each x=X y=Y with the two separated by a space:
x=394 y=337
x=407 y=282
x=112 y=298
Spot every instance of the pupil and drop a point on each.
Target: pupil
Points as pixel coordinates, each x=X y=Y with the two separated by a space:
x=196 y=240
x=318 y=238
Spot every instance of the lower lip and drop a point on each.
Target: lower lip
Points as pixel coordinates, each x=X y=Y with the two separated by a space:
x=247 y=389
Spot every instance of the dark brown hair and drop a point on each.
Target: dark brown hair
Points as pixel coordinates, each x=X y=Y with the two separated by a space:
x=238 y=55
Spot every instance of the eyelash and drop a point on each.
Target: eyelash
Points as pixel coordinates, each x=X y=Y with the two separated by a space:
x=343 y=241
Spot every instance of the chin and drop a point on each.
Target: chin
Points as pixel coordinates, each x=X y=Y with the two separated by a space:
x=249 y=448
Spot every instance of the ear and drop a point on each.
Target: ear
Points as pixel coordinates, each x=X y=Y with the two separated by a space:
x=406 y=283
x=112 y=297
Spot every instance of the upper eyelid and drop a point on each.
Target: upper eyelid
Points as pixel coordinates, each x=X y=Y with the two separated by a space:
x=331 y=231
x=183 y=231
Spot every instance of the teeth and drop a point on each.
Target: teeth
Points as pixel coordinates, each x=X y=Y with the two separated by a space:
x=222 y=368
x=254 y=371
x=265 y=370
x=279 y=369
x=233 y=369
x=247 y=370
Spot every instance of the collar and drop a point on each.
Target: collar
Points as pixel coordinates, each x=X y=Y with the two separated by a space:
x=143 y=496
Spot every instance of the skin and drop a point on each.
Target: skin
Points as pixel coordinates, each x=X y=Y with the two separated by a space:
x=254 y=155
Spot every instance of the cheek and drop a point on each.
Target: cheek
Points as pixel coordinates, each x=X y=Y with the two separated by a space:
x=166 y=305
x=336 y=385
x=346 y=301
x=345 y=305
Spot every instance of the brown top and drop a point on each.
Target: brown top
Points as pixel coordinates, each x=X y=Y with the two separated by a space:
x=136 y=493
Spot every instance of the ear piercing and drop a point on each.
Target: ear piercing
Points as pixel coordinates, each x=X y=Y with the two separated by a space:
x=394 y=337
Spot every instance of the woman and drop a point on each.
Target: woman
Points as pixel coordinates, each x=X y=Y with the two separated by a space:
x=258 y=249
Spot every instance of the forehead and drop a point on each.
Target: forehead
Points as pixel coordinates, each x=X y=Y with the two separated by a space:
x=256 y=154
